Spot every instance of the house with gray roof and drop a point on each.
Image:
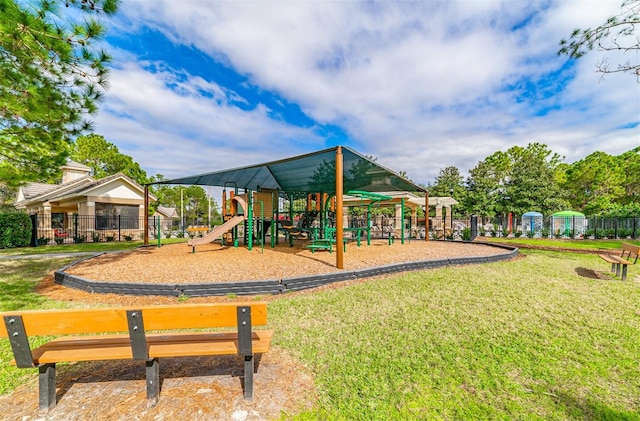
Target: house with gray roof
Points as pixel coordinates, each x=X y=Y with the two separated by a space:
x=83 y=207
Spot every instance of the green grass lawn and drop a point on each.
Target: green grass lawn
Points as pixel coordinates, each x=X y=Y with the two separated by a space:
x=17 y=281
x=534 y=338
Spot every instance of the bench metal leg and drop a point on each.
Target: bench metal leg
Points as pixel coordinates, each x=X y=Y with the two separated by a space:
x=153 y=379
x=248 y=377
x=624 y=272
x=47 y=386
x=613 y=267
x=618 y=269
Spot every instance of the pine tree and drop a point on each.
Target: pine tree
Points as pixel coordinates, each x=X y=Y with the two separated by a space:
x=51 y=79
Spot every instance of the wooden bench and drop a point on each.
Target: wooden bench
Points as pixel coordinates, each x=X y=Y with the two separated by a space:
x=620 y=262
x=137 y=343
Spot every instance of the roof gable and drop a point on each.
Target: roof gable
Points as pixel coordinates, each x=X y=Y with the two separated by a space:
x=118 y=186
x=39 y=192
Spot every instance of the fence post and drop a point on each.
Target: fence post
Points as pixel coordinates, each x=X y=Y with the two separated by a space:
x=75 y=227
x=34 y=230
x=119 y=225
x=474 y=227
x=615 y=229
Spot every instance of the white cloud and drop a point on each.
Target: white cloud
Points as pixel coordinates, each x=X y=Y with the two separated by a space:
x=167 y=124
x=420 y=85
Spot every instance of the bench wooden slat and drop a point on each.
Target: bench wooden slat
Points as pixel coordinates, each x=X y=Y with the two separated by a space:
x=612 y=259
x=93 y=353
x=105 y=320
x=615 y=259
x=97 y=348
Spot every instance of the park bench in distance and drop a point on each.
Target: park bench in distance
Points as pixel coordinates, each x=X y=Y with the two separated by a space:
x=628 y=252
x=137 y=344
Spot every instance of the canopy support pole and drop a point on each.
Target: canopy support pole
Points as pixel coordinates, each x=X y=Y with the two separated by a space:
x=339 y=210
x=426 y=216
x=146 y=215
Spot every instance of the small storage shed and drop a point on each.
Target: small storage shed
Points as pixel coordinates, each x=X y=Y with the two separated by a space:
x=532 y=223
x=568 y=223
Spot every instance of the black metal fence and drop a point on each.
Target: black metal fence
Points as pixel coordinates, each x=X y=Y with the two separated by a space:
x=67 y=229
x=576 y=227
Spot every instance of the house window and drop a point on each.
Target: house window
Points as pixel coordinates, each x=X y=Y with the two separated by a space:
x=58 y=220
x=109 y=216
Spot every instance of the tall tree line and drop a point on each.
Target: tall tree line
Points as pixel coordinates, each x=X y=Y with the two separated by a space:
x=534 y=178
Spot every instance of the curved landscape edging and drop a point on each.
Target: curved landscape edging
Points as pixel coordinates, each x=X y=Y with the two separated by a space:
x=270 y=286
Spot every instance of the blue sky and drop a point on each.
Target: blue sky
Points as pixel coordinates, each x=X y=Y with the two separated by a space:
x=201 y=86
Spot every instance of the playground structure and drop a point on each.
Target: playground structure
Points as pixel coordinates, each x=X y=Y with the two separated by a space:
x=274 y=217
x=320 y=178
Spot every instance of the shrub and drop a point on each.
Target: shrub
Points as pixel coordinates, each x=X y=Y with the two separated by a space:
x=128 y=237
x=518 y=234
x=530 y=234
x=15 y=230
x=110 y=238
x=43 y=241
x=466 y=234
x=96 y=237
x=625 y=232
x=59 y=240
x=80 y=239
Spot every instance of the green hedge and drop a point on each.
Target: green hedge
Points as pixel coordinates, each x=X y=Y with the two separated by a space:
x=15 y=230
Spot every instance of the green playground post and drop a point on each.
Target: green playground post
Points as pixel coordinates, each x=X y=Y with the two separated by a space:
x=291 y=200
x=274 y=221
x=158 y=235
x=402 y=220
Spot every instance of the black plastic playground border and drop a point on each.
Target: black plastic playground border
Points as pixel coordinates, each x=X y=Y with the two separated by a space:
x=269 y=286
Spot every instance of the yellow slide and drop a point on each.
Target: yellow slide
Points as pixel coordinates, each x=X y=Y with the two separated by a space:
x=217 y=232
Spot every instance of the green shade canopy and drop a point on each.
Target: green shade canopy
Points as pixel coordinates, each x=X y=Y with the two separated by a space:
x=313 y=172
x=567 y=213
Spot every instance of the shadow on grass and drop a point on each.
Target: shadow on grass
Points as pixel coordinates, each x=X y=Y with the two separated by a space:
x=588 y=273
x=586 y=409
